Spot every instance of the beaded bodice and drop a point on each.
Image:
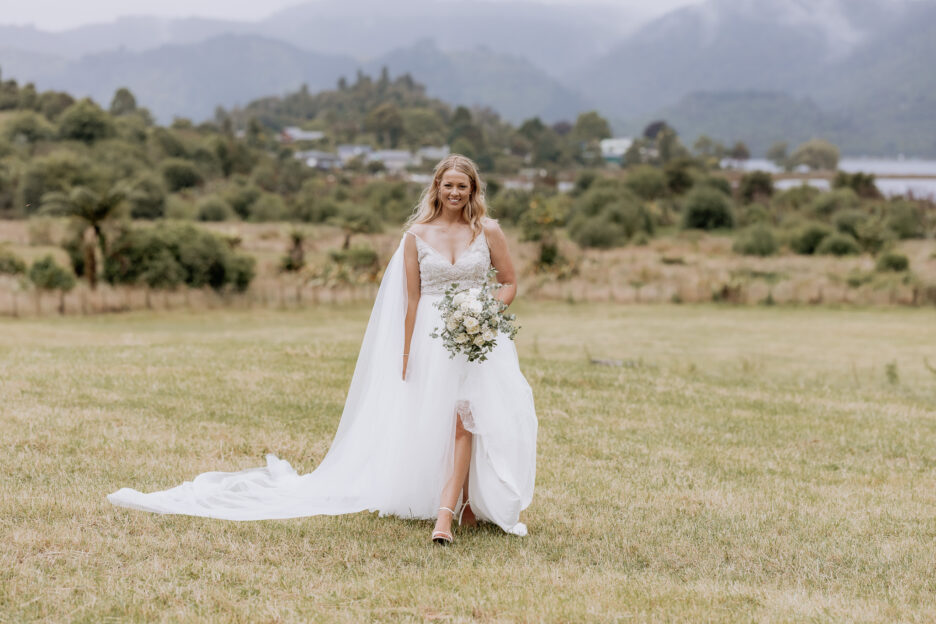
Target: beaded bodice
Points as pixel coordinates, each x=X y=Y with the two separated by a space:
x=436 y=272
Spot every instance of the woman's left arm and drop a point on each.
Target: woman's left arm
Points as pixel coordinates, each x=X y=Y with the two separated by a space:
x=500 y=258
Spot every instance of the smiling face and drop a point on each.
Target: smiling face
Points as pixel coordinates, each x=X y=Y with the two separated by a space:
x=454 y=190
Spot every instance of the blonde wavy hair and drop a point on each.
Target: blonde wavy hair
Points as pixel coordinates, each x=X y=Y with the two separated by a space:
x=429 y=206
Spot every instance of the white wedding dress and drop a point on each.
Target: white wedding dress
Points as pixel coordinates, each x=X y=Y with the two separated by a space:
x=393 y=450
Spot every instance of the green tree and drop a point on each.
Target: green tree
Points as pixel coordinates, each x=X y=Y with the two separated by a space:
x=27 y=127
x=387 y=123
x=756 y=186
x=817 y=154
x=92 y=210
x=85 y=121
x=591 y=126
x=123 y=103
x=356 y=219
x=740 y=151
x=777 y=154
x=47 y=275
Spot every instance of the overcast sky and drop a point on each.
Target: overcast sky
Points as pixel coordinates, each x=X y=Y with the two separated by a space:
x=64 y=14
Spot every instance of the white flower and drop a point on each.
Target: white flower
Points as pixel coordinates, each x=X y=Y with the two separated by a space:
x=488 y=335
x=461 y=338
x=479 y=341
x=459 y=299
x=471 y=324
x=474 y=292
x=451 y=325
x=457 y=315
x=475 y=307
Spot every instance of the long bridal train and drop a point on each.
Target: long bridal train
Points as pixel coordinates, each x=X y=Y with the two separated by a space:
x=393 y=450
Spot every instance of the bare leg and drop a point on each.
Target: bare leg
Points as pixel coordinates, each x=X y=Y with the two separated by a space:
x=453 y=487
x=467 y=517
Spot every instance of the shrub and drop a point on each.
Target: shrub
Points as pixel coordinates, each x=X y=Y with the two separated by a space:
x=861 y=183
x=596 y=232
x=180 y=174
x=58 y=171
x=678 y=177
x=716 y=182
x=268 y=207
x=358 y=257
x=755 y=185
x=10 y=263
x=796 y=197
x=892 y=261
x=169 y=254
x=27 y=127
x=510 y=205
x=850 y=221
x=214 y=208
x=147 y=198
x=838 y=244
x=647 y=182
x=815 y=154
x=46 y=274
x=85 y=121
x=758 y=240
x=905 y=219
x=808 y=238
x=707 y=209
x=827 y=204
x=241 y=197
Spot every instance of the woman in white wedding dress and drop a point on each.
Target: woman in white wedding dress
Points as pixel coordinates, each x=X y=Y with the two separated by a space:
x=422 y=435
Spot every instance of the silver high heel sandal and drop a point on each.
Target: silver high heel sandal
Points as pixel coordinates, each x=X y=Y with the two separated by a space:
x=441 y=537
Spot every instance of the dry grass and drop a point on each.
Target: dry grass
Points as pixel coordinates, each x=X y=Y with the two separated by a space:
x=743 y=464
x=687 y=267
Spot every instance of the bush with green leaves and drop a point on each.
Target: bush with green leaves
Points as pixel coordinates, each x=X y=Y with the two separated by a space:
x=27 y=127
x=180 y=174
x=827 y=204
x=214 y=208
x=47 y=274
x=796 y=197
x=57 y=171
x=850 y=221
x=85 y=121
x=716 y=182
x=905 y=218
x=608 y=215
x=755 y=185
x=807 y=238
x=10 y=263
x=147 y=197
x=757 y=240
x=707 y=209
x=861 y=183
x=647 y=182
x=170 y=254
x=510 y=204
x=892 y=261
x=678 y=174
x=838 y=244
x=816 y=154
x=269 y=207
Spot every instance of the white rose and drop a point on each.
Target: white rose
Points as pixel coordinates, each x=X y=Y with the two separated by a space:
x=470 y=323
x=451 y=325
x=475 y=307
x=459 y=298
x=479 y=341
x=461 y=338
x=457 y=315
x=488 y=335
x=474 y=292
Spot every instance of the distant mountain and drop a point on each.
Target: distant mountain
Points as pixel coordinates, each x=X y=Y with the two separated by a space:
x=510 y=85
x=757 y=118
x=191 y=80
x=553 y=37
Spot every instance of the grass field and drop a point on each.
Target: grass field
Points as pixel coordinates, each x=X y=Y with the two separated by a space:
x=742 y=464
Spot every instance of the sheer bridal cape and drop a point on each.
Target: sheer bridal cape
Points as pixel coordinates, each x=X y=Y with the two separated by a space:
x=393 y=450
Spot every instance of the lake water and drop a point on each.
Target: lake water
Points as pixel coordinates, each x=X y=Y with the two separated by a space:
x=878 y=166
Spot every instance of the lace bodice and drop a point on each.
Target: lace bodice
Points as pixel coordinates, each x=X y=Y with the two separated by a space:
x=436 y=272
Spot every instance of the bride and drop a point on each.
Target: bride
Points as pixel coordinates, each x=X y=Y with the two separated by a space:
x=422 y=435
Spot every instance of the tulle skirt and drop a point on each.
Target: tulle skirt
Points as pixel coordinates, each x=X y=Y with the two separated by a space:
x=396 y=459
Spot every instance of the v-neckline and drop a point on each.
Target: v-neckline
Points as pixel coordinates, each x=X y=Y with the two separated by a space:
x=442 y=255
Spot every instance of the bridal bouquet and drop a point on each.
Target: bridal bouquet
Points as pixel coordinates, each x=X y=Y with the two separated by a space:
x=472 y=318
